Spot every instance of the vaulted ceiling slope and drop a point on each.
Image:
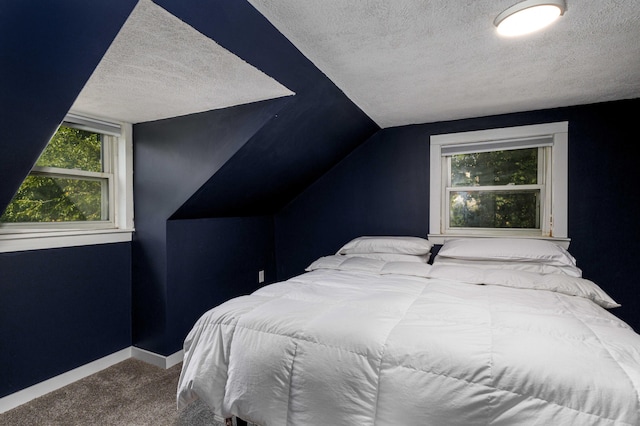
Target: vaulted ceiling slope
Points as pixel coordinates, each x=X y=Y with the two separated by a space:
x=400 y=62
x=416 y=61
x=311 y=133
x=154 y=60
x=48 y=50
x=316 y=128
x=160 y=67
x=277 y=148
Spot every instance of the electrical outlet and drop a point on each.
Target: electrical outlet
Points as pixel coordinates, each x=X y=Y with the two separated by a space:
x=261 y=276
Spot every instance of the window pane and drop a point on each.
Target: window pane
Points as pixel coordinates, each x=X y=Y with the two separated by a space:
x=51 y=199
x=73 y=149
x=494 y=209
x=510 y=167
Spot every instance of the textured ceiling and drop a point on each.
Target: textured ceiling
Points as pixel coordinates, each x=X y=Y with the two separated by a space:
x=401 y=61
x=159 y=67
x=416 y=61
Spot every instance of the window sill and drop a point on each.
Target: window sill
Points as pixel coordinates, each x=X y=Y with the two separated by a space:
x=39 y=240
x=441 y=238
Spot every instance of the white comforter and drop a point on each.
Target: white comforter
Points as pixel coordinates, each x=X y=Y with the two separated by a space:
x=351 y=347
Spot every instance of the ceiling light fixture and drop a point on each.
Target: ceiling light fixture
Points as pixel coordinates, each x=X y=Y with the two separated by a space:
x=528 y=16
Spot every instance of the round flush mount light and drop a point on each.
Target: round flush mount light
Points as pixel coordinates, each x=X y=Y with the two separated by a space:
x=528 y=16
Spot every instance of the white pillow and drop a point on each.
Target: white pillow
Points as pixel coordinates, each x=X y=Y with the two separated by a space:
x=393 y=257
x=401 y=245
x=507 y=249
x=573 y=286
x=361 y=264
x=527 y=266
x=406 y=268
x=326 y=262
x=344 y=263
x=355 y=263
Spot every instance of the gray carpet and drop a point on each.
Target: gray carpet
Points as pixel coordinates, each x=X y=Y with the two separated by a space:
x=131 y=393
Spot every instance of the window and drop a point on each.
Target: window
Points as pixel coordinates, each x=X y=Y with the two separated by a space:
x=500 y=182
x=79 y=191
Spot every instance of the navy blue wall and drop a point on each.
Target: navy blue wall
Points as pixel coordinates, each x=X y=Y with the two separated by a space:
x=279 y=148
x=172 y=159
x=211 y=261
x=60 y=309
x=284 y=157
x=383 y=188
x=48 y=50
x=282 y=145
x=316 y=129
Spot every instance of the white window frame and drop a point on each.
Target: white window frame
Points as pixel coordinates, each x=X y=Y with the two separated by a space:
x=118 y=155
x=554 y=215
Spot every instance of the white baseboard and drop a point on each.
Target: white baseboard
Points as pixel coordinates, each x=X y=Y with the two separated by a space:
x=18 y=398
x=155 y=359
x=39 y=389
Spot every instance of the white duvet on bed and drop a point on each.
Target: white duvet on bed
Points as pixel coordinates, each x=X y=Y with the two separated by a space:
x=376 y=344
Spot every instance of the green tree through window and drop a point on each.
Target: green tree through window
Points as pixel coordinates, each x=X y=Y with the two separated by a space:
x=491 y=193
x=55 y=191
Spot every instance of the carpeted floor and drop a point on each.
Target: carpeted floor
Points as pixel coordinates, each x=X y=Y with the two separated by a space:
x=131 y=393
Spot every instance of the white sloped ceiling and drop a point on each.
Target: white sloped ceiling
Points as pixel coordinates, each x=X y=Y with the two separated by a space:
x=417 y=61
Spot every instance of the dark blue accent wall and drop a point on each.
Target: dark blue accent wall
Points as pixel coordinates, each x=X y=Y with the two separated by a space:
x=603 y=205
x=277 y=151
x=48 y=50
x=172 y=159
x=211 y=261
x=383 y=188
x=281 y=146
x=284 y=157
x=60 y=309
x=316 y=129
x=378 y=189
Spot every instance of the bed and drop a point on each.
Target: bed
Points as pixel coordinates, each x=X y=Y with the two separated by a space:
x=492 y=332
